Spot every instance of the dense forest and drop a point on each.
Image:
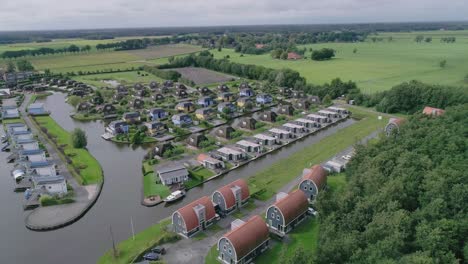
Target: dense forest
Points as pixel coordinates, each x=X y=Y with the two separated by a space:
x=406 y=197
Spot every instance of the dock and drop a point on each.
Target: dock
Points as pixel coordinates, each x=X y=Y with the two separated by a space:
x=107 y=136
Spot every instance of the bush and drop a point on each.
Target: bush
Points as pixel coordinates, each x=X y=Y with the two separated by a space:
x=79 y=139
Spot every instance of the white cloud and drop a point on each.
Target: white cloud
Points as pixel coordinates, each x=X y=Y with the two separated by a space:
x=67 y=14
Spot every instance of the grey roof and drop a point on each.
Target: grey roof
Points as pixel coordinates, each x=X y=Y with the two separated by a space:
x=172 y=171
x=36 y=105
x=48 y=179
x=31 y=152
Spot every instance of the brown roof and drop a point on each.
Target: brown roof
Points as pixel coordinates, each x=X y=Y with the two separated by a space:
x=248 y=236
x=228 y=195
x=294 y=56
x=397 y=121
x=202 y=157
x=433 y=111
x=190 y=217
x=292 y=205
x=318 y=175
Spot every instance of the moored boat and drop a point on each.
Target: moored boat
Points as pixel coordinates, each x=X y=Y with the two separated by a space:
x=175 y=196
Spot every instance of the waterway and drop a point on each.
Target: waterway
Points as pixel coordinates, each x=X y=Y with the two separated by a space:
x=88 y=238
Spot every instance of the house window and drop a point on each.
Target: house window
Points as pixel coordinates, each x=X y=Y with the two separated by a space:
x=277 y=217
x=230 y=251
x=224 y=247
x=272 y=215
x=50 y=187
x=310 y=188
x=305 y=188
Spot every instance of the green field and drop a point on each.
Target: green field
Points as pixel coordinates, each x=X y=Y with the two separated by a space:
x=381 y=65
x=121 y=77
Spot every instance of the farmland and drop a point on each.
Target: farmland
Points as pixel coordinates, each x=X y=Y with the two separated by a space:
x=381 y=65
x=163 y=51
x=130 y=77
x=203 y=76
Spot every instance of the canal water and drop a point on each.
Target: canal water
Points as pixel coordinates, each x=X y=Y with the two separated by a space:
x=88 y=238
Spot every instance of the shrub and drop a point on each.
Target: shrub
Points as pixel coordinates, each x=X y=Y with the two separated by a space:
x=79 y=139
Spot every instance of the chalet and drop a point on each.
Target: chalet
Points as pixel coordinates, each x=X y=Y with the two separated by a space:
x=131 y=117
x=180 y=86
x=339 y=110
x=210 y=162
x=168 y=83
x=393 y=126
x=162 y=90
x=117 y=127
x=294 y=56
x=280 y=133
x=157 y=114
x=78 y=91
x=10 y=112
x=287 y=212
x=36 y=109
x=194 y=217
x=226 y=97
x=41 y=168
x=122 y=90
x=186 y=107
x=205 y=91
x=230 y=154
x=230 y=107
x=141 y=93
x=328 y=114
x=34 y=155
x=26 y=144
x=248 y=123
x=138 y=103
x=138 y=86
x=246 y=92
x=307 y=123
x=223 y=88
x=181 y=120
x=285 y=91
x=303 y=104
x=248 y=146
x=294 y=128
x=318 y=118
x=244 y=242
x=205 y=101
x=314 y=99
x=84 y=107
x=155 y=128
x=153 y=85
x=204 y=113
x=157 y=97
x=268 y=116
x=232 y=196
x=181 y=93
x=55 y=185
x=297 y=94
x=313 y=181
x=265 y=140
x=431 y=111
x=286 y=110
x=264 y=99
x=224 y=132
x=161 y=148
x=244 y=85
x=244 y=102
x=173 y=174
x=194 y=140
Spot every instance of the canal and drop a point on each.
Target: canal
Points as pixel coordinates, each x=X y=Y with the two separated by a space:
x=88 y=238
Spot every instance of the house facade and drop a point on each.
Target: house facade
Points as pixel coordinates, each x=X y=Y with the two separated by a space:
x=287 y=212
x=209 y=162
x=131 y=117
x=155 y=128
x=173 y=174
x=265 y=140
x=55 y=185
x=232 y=196
x=157 y=113
x=248 y=146
x=117 y=127
x=248 y=123
x=194 y=217
x=264 y=99
x=181 y=120
x=313 y=181
x=205 y=101
x=230 y=154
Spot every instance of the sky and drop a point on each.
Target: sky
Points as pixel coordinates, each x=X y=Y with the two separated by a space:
x=84 y=14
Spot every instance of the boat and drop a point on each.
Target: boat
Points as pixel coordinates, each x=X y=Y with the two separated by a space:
x=175 y=196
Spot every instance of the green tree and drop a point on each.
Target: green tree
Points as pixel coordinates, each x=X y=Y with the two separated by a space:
x=10 y=67
x=428 y=39
x=24 y=65
x=443 y=63
x=419 y=38
x=74 y=100
x=355 y=50
x=327 y=100
x=79 y=139
x=284 y=55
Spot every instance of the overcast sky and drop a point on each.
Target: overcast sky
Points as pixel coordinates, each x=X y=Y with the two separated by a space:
x=79 y=14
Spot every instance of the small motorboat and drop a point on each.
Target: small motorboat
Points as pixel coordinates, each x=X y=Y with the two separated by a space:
x=175 y=196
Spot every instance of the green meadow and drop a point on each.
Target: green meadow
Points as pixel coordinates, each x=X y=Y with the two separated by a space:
x=130 y=77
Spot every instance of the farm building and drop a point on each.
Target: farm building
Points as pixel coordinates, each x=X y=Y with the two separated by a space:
x=287 y=212
x=230 y=154
x=431 y=111
x=264 y=99
x=313 y=181
x=265 y=140
x=204 y=113
x=117 y=127
x=393 y=126
x=268 y=116
x=194 y=217
x=131 y=117
x=37 y=109
x=194 y=140
x=247 y=123
x=286 y=110
x=244 y=242
x=232 y=196
x=209 y=162
x=181 y=120
x=56 y=184
x=186 y=107
x=157 y=113
x=248 y=146
x=173 y=174
x=224 y=132
x=155 y=128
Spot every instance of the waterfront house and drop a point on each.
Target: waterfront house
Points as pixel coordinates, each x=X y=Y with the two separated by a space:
x=36 y=109
x=204 y=113
x=55 y=185
x=180 y=86
x=181 y=93
x=328 y=114
x=244 y=242
x=264 y=99
x=230 y=107
x=268 y=116
x=26 y=144
x=205 y=101
x=205 y=91
x=286 y=110
x=247 y=123
x=84 y=107
x=138 y=86
x=313 y=181
x=10 y=113
x=285 y=91
x=21 y=135
x=168 y=83
x=161 y=148
x=153 y=85
x=181 y=120
x=232 y=196
x=117 y=127
x=33 y=155
x=122 y=90
x=172 y=174
x=157 y=114
x=16 y=127
x=248 y=146
x=195 y=139
x=224 y=132
x=302 y=104
x=318 y=118
x=393 y=126
x=41 y=168
x=209 y=162
x=155 y=128
x=138 y=103
x=307 y=123
x=294 y=128
x=194 y=217
x=131 y=117
x=294 y=56
x=157 y=97
x=339 y=110
x=246 y=92
x=265 y=140
x=244 y=85
x=280 y=133
x=244 y=102
x=230 y=154
x=226 y=97
x=186 y=107
x=223 y=88
x=431 y=111
x=287 y=212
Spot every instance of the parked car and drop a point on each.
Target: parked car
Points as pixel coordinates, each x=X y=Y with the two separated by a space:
x=311 y=211
x=159 y=250
x=217 y=217
x=151 y=256
x=346 y=157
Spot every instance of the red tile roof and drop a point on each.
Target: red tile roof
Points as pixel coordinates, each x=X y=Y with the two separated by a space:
x=294 y=56
x=318 y=175
x=397 y=121
x=433 y=111
x=228 y=195
x=259 y=46
x=292 y=205
x=190 y=217
x=248 y=236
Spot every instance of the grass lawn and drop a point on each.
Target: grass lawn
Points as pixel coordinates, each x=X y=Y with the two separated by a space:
x=11 y=121
x=130 y=249
x=151 y=188
x=279 y=174
x=378 y=66
x=90 y=171
x=197 y=176
x=125 y=78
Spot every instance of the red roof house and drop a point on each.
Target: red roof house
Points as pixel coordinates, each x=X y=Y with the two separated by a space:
x=232 y=196
x=194 y=217
x=294 y=56
x=433 y=111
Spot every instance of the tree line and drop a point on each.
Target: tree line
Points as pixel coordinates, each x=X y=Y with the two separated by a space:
x=163 y=74
x=12 y=54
